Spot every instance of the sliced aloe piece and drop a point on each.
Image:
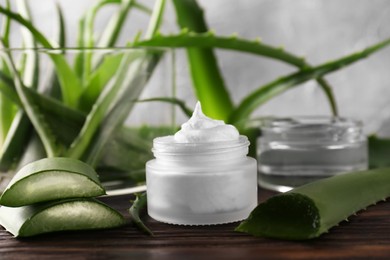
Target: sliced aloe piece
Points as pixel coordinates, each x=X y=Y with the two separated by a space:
x=64 y=215
x=51 y=179
x=308 y=211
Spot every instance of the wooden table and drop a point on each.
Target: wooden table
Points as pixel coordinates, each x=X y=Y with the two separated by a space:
x=366 y=236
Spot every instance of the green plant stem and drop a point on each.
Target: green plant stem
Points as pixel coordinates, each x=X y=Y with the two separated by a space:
x=207 y=79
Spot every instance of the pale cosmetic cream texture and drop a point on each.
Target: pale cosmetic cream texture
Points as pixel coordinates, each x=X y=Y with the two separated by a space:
x=202 y=129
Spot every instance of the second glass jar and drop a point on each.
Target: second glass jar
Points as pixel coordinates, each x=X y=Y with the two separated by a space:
x=295 y=151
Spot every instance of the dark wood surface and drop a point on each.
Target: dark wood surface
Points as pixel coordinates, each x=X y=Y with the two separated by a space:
x=365 y=236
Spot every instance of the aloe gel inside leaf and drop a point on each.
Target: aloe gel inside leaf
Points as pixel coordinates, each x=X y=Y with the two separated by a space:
x=50 y=185
x=51 y=179
x=65 y=215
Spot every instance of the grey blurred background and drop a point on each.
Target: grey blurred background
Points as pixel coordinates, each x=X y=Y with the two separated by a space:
x=320 y=30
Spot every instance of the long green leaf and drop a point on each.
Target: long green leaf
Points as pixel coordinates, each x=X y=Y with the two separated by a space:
x=70 y=84
x=85 y=38
x=114 y=26
x=15 y=142
x=61 y=27
x=378 y=152
x=101 y=107
x=31 y=68
x=175 y=101
x=138 y=205
x=138 y=75
x=156 y=18
x=6 y=26
x=133 y=78
x=207 y=79
x=268 y=91
x=99 y=79
x=308 y=211
x=7 y=108
x=31 y=110
x=188 y=39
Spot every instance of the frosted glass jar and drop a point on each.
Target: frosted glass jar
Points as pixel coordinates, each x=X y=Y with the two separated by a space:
x=295 y=151
x=201 y=183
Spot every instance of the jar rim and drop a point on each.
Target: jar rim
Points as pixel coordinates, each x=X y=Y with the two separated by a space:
x=167 y=144
x=309 y=128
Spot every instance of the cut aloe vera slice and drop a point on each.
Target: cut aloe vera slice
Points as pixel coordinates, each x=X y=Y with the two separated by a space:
x=51 y=179
x=64 y=215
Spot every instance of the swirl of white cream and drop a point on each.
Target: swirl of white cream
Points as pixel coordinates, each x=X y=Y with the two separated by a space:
x=202 y=129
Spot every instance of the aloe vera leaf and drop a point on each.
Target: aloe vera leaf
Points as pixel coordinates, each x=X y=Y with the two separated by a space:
x=70 y=84
x=7 y=109
x=31 y=69
x=266 y=92
x=210 y=40
x=31 y=110
x=114 y=26
x=131 y=77
x=6 y=26
x=102 y=106
x=139 y=75
x=64 y=215
x=311 y=210
x=207 y=79
x=110 y=34
x=142 y=8
x=378 y=152
x=79 y=59
x=171 y=100
x=15 y=141
x=65 y=122
x=189 y=39
x=7 y=87
x=130 y=149
x=50 y=179
x=61 y=27
x=138 y=205
x=98 y=80
x=156 y=18
x=85 y=33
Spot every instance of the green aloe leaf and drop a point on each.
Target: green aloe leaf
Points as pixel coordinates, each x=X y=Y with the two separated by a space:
x=138 y=205
x=311 y=210
x=70 y=84
x=379 y=150
x=51 y=179
x=171 y=100
x=274 y=88
x=104 y=103
x=99 y=79
x=63 y=215
x=207 y=79
x=30 y=109
x=14 y=143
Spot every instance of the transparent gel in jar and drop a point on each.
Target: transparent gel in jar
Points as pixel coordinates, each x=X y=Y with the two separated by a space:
x=296 y=151
x=201 y=183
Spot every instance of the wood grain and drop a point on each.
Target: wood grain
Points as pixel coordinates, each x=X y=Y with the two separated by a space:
x=365 y=236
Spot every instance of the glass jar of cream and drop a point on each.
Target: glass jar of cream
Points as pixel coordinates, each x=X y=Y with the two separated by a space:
x=295 y=151
x=201 y=175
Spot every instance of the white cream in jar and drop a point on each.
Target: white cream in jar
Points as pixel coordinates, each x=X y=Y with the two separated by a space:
x=201 y=175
